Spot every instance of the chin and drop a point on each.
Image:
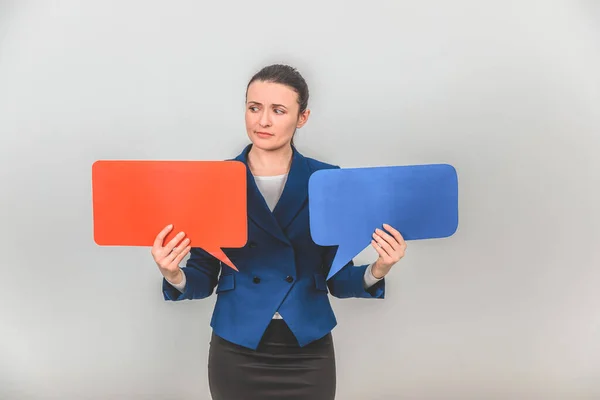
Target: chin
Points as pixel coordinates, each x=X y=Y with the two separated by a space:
x=268 y=145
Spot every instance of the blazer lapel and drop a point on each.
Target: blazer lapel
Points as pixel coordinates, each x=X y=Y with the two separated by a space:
x=295 y=192
x=258 y=210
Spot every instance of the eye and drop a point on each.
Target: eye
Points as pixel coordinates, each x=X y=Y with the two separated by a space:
x=253 y=108
x=279 y=111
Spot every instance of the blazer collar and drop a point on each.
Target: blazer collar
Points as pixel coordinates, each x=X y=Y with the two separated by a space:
x=293 y=198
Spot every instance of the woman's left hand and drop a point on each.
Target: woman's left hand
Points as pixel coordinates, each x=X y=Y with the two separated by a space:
x=390 y=247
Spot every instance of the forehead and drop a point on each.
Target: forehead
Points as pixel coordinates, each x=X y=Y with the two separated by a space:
x=271 y=93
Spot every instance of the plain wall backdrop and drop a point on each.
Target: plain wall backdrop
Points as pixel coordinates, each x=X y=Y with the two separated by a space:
x=508 y=92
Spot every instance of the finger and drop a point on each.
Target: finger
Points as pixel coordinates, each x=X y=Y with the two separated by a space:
x=379 y=249
x=167 y=261
x=395 y=233
x=181 y=255
x=389 y=239
x=177 y=250
x=158 y=241
x=383 y=244
x=174 y=242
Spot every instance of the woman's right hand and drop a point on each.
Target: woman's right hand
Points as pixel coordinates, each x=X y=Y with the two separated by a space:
x=169 y=256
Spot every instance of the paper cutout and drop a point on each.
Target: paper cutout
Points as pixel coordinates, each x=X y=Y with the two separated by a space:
x=346 y=205
x=134 y=200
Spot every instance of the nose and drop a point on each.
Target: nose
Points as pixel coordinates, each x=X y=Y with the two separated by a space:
x=264 y=119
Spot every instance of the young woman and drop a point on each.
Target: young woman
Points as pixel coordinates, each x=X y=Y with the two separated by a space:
x=272 y=320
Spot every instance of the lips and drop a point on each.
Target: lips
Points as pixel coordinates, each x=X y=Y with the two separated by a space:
x=264 y=134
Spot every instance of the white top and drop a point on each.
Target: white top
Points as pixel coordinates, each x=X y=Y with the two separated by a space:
x=271 y=188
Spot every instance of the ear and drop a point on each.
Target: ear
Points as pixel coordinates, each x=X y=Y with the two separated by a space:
x=303 y=118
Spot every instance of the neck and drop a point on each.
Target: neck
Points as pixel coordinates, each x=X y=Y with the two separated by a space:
x=270 y=162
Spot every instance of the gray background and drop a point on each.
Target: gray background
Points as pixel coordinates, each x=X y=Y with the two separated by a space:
x=507 y=92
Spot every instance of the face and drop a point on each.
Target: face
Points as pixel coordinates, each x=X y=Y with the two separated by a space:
x=272 y=115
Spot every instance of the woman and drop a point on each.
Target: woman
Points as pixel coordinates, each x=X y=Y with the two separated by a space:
x=272 y=320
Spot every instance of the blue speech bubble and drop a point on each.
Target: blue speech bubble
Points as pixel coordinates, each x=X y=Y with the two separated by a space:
x=346 y=205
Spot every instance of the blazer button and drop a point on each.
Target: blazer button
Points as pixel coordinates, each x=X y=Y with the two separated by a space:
x=252 y=245
x=256 y=279
x=289 y=279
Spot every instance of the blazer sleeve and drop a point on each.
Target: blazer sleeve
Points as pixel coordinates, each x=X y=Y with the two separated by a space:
x=349 y=281
x=201 y=274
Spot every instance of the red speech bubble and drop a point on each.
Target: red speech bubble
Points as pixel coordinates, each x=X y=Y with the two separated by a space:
x=134 y=200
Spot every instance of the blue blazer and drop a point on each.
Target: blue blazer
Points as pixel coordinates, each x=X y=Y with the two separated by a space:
x=280 y=269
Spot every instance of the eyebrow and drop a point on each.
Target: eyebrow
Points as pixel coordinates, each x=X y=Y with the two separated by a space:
x=274 y=105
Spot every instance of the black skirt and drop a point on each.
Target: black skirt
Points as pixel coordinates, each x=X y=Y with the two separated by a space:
x=278 y=369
